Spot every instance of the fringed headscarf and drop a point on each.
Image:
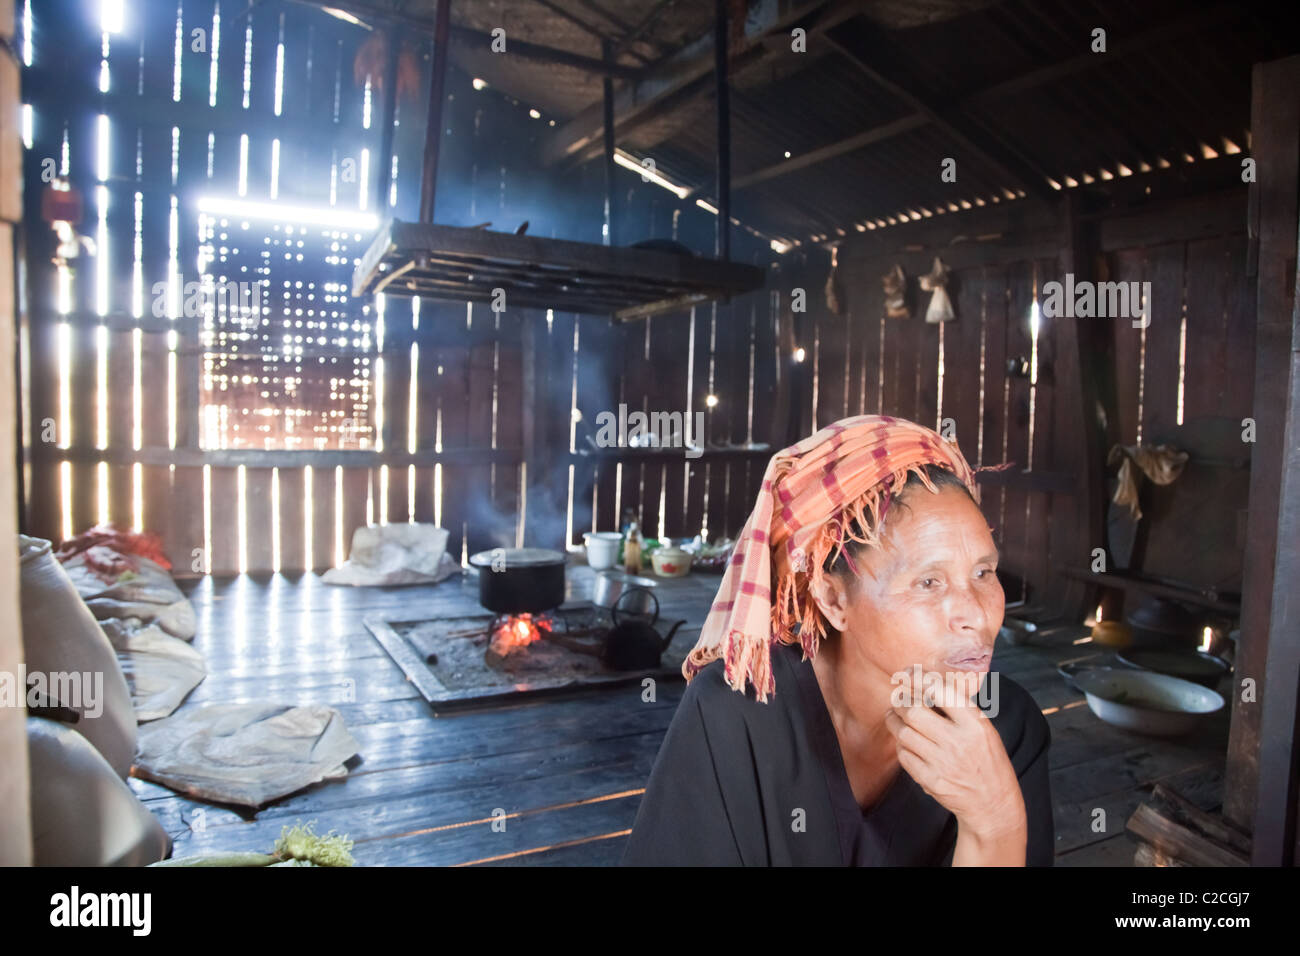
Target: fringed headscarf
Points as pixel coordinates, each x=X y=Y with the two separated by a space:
x=831 y=488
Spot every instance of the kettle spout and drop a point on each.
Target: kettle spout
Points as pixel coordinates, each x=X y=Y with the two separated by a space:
x=668 y=639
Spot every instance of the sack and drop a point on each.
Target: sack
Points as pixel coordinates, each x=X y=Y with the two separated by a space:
x=82 y=813
x=395 y=554
x=64 y=647
x=147 y=593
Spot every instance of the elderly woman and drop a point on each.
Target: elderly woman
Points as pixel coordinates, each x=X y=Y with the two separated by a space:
x=803 y=736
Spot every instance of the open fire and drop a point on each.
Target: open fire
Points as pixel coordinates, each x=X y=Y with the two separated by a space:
x=514 y=632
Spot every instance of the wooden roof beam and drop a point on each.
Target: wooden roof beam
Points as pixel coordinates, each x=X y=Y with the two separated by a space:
x=998 y=154
x=466 y=36
x=1124 y=46
x=676 y=77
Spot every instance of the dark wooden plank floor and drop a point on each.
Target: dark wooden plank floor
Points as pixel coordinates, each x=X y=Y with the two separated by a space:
x=558 y=781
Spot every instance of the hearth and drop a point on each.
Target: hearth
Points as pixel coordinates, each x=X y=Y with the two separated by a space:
x=475 y=659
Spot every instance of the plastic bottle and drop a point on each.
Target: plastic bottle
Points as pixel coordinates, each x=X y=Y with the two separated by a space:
x=632 y=550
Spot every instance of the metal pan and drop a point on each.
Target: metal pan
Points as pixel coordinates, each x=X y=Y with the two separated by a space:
x=1147 y=702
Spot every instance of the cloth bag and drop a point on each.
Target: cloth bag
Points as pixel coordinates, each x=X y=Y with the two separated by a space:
x=62 y=637
x=148 y=593
x=83 y=814
x=395 y=554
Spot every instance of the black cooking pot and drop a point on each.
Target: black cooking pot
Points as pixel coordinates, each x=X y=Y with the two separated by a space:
x=519 y=580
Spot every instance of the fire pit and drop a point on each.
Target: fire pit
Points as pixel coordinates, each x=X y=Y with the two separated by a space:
x=463 y=661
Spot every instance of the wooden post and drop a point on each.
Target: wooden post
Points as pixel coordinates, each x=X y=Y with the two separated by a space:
x=1260 y=782
x=384 y=172
x=433 y=129
x=608 y=89
x=1085 y=360
x=15 y=809
x=723 y=242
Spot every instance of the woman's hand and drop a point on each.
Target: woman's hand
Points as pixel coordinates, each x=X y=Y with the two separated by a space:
x=957 y=757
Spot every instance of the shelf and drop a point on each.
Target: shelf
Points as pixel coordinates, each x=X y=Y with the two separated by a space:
x=1130 y=581
x=655 y=454
x=459 y=264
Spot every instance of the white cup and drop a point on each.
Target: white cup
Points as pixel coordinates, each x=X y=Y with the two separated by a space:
x=602 y=549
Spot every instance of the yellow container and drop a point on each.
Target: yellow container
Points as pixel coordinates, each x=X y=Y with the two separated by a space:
x=1112 y=634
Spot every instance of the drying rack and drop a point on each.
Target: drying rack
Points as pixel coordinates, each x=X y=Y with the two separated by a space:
x=471 y=264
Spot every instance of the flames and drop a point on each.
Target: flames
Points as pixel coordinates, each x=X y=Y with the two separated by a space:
x=517 y=631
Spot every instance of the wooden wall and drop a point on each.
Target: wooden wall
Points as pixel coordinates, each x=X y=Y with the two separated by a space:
x=420 y=415
x=1185 y=380
x=478 y=420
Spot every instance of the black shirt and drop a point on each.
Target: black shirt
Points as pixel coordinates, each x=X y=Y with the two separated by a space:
x=738 y=782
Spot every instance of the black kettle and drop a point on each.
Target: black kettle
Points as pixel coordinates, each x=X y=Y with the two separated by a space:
x=635 y=645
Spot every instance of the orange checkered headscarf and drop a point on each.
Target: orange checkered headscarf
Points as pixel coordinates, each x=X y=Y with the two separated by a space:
x=817 y=495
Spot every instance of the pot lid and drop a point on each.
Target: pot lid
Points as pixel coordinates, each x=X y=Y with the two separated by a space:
x=517 y=557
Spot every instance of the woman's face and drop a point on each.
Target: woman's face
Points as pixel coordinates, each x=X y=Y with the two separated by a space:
x=929 y=596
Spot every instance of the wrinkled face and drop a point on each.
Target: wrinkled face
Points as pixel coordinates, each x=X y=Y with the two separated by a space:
x=929 y=596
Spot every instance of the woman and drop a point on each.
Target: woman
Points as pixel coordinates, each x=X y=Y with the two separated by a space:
x=865 y=564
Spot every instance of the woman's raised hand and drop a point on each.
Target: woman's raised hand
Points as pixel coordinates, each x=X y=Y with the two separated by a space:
x=957 y=757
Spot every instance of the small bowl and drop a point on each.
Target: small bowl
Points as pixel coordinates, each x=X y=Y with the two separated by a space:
x=1016 y=632
x=671 y=561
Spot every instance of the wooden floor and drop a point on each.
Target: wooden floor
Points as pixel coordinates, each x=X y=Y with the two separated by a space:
x=566 y=772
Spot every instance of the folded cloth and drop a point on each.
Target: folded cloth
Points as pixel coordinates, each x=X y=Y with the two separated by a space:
x=395 y=554
x=246 y=754
x=815 y=496
x=160 y=669
x=1161 y=463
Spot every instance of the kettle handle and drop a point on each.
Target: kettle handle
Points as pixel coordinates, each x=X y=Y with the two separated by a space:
x=614 y=611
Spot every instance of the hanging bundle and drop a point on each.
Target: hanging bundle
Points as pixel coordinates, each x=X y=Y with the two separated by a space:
x=936 y=281
x=895 y=285
x=1162 y=464
x=834 y=287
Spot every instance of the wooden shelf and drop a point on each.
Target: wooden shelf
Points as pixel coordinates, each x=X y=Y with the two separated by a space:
x=657 y=454
x=459 y=264
x=1130 y=581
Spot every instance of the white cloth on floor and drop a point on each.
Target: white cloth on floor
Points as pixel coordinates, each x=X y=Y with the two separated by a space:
x=395 y=554
x=160 y=669
x=246 y=754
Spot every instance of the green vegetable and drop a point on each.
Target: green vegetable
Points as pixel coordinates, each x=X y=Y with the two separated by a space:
x=300 y=843
x=297 y=846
